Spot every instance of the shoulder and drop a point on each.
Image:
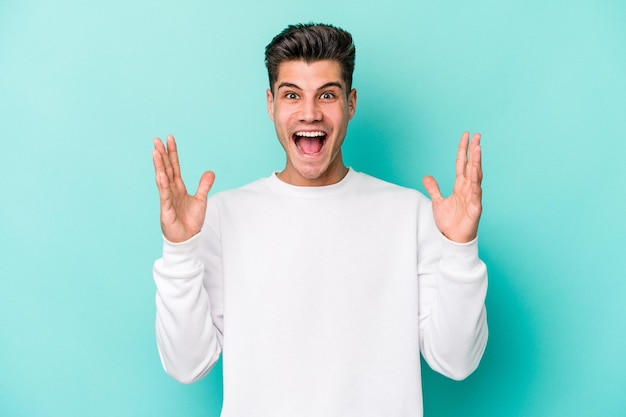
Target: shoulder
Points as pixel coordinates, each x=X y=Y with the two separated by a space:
x=379 y=188
x=236 y=201
x=246 y=191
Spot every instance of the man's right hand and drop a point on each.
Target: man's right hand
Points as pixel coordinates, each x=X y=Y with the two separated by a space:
x=182 y=215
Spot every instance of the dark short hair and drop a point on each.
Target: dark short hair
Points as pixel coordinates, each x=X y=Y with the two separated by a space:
x=311 y=42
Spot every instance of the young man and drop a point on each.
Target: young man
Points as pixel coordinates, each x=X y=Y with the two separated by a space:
x=319 y=285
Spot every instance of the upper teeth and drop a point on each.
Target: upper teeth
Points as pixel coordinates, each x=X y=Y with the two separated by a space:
x=310 y=134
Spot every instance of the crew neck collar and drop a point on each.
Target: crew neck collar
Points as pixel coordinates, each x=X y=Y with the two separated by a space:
x=282 y=187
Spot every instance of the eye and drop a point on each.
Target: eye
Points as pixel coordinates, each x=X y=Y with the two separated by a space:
x=291 y=96
x=327 y=96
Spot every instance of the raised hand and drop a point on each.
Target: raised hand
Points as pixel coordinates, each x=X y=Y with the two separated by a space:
x=182 y=215
x=458 y=215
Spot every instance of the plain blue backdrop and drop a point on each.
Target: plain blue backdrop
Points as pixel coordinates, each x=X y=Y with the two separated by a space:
x=85 y=86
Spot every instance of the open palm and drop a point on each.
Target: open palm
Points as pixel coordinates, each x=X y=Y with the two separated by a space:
x=182 y=215
x=458 y=215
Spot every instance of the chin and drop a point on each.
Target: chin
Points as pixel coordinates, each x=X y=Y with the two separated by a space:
x=312 y=174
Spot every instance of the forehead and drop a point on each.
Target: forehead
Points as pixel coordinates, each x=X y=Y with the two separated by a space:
x=309 y=74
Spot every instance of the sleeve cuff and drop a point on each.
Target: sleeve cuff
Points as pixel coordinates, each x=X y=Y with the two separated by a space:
x=460 y=256
x=183 y=255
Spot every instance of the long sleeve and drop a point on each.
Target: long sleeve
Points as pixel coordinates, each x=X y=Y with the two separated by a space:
x=188 y=340
x=453 y=319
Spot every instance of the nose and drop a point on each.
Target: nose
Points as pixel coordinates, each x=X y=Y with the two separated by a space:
x=310 y=111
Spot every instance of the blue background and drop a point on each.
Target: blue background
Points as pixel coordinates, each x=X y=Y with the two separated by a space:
x=85 y=86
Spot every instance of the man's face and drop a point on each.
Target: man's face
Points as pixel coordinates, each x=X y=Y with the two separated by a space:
x=311 y=108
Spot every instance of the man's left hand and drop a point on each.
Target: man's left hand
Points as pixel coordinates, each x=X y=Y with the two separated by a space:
x=458 y=215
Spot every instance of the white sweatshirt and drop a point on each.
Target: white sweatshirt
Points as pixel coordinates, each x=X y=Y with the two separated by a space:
x=320 y=300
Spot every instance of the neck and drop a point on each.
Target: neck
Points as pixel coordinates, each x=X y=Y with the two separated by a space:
x=335 y=173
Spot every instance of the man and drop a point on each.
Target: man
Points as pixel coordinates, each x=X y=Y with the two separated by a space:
x=319 y=285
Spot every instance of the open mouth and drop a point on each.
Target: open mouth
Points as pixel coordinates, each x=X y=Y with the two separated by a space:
x=309 y=142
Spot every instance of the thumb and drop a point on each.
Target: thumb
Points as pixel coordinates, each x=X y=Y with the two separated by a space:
x=432 y=188
x=206 y=182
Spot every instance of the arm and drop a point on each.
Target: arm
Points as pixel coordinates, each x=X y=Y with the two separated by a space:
x=453 y=280
x=189 y=315
x=188 y=341
x=452 y=315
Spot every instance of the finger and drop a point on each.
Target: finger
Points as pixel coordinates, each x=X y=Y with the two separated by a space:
x=165 y=159
x=461 y=155
x=157 y=160
x=476 y=196
x=475 y=182
x=162 y=181
x=172 y=153
x=158 y=145
x=206 y=183
x=476 y=172
x=432 y=188
x=475 y=157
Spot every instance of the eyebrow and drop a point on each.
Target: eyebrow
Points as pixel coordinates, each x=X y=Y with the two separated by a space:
x=296 y=87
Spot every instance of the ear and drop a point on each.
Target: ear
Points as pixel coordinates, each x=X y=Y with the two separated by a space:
x=270 y=103
x=351 y=103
